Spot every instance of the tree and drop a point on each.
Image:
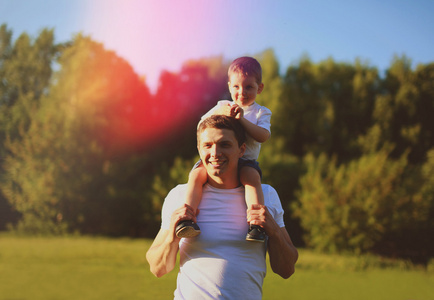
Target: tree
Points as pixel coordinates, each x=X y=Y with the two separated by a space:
x=25 y=70
x=62 y=175
x=327 y=107
x=373 y=203
x=182 y=98
x=402 y=114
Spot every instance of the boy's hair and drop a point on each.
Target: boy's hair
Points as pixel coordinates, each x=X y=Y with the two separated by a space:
x=248 y=66
x=223 y=122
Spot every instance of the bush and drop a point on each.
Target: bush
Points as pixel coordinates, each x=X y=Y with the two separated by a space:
x=369 y=204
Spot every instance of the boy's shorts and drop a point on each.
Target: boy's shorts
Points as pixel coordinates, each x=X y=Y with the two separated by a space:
x=242 y=162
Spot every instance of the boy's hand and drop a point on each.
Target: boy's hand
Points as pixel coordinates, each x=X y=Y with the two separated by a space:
x=224 y=110
x=236 y=111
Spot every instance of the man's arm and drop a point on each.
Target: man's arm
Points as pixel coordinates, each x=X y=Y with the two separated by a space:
x=161 y=255
x=282 y=252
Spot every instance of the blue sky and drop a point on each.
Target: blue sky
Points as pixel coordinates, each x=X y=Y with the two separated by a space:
x=153 y=35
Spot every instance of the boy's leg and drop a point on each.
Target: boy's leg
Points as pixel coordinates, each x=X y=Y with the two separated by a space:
x=251 y=180
x=196 y=179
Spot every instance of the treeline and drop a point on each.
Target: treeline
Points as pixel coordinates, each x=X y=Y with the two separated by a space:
x=86 y=148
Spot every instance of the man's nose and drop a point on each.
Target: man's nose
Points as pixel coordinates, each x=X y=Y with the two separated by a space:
x=215 y=150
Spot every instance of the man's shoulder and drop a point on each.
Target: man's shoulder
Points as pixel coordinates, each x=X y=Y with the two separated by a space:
x=176 y=193
x=272 y=201
x=270 y=195
x=268 y=188
x=178 y=188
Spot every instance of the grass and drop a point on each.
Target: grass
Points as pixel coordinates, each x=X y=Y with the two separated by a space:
x=99 y=268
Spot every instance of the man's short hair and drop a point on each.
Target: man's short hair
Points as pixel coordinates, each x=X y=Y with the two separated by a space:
x=248 y=66
x=223 y=122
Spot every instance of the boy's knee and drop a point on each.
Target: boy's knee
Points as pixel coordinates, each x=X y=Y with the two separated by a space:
x=249 y=175
x=198 y=174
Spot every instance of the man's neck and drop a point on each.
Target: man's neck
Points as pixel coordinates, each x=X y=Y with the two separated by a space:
x=224 y=183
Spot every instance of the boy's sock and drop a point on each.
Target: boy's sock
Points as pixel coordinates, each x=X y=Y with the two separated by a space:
x=187 y=229
x=256 y=234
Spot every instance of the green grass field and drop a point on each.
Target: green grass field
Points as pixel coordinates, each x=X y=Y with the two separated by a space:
x=100 y=268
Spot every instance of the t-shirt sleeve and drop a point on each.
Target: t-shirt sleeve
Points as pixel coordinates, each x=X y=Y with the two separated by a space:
x=264 y=118
x=272 y=201
x=172 y=201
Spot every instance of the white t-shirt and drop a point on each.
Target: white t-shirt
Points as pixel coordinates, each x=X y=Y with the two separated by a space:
x=219 y=263
x=255 y=113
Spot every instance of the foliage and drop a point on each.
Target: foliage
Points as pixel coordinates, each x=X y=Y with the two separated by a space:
x=364 y=205
x=402 y=112
x=25 y=70
x=88 y=149
x=167 y=179
x=325 y=107
x=62 y=173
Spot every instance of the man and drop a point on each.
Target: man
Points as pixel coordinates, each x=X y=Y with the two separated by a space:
x=219 y=263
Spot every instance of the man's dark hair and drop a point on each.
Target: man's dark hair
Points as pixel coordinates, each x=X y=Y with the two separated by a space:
x=223 y=122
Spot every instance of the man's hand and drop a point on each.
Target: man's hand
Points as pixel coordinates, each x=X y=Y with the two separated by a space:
x=258 y=214
x=185 y=212
x=283 y=255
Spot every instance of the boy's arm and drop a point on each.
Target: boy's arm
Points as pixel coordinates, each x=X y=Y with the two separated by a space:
x=258 y=133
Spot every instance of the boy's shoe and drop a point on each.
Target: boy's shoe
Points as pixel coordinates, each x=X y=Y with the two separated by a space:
x=187 y=229
x=256 y=234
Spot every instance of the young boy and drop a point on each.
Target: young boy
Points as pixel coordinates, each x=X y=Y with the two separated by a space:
x=245 y=83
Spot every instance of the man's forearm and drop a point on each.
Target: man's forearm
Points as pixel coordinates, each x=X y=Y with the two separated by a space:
x=161 y=256
x=283 y=254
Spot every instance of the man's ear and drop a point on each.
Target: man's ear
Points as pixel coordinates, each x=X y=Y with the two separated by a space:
x=242 y=149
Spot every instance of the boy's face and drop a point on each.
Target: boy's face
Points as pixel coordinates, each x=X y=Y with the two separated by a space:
x=244 y=89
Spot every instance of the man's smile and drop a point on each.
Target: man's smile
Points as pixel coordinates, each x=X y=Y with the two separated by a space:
x=216 y=163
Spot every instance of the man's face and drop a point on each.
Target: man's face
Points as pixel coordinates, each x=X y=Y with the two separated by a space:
x=244 y=89
x=219 y=152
